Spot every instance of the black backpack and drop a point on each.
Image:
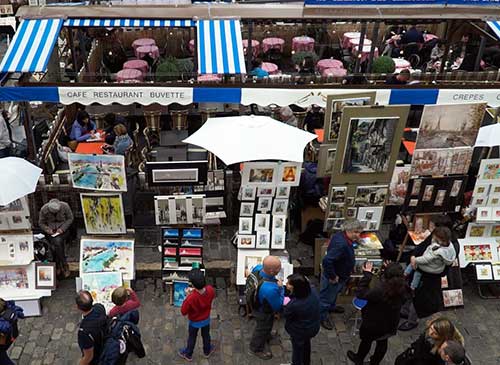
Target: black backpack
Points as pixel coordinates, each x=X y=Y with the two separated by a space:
x=253 y=283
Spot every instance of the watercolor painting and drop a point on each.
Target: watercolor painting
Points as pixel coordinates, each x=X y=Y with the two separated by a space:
x=103 y=213
x=107 y=255
x=101 y=286
x=180 y=288
x=13 y=278
x=98 y=172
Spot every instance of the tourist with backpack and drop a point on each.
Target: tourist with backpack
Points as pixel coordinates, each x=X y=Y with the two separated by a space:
x=91 y=331
x=196 y=307
x=125 y=300
x=9 y=314
x=265 y=296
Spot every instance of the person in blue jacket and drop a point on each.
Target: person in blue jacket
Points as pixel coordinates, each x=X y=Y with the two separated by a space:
x=257 y=69
x=301 y=317
x=270 y=297
x=337 y=264
x=83 y=128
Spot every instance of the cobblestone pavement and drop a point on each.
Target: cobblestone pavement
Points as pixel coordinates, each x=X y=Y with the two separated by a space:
x=51 y=338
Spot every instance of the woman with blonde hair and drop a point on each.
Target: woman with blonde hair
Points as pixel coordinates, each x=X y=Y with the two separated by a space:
x=122 y=141
x=425 y=350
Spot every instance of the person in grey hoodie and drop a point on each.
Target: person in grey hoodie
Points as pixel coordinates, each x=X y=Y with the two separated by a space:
x=436 y=257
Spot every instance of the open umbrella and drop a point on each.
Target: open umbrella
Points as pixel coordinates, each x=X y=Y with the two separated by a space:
x=251 y=138
x=488 y=136
x=18 y=178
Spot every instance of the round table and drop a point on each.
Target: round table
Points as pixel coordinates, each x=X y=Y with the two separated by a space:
x=129 y=75
x=137 y=65
x=401 y=63
x=366 y=52
x=303 y=44
x=191 y=46
x=329 y=63
x=271 y=68
x=334 y=72
x=209 y=78
x=143 y=42
x=348 y=36
x=355 y=42
x=255 y=47
x=272 y=43
x=152 y=51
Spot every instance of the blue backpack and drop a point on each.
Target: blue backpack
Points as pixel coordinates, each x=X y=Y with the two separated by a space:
x=8 y=322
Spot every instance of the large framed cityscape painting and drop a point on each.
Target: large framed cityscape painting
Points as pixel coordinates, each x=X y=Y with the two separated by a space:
x=98 y=172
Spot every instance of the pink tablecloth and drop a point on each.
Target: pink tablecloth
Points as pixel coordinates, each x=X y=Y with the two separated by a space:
x=143 y=42
x=209 y=78
x=303 y=44
x=334 y=72
x=129 y=75
x=255 y=47
x=329 y=63
x=366 y=52
x=137 y=65
x=272 y=43
x=348 y=36
x=152 y=51
x=355 y=42
x=270 y=67
x=401 y=63
x=191 y=46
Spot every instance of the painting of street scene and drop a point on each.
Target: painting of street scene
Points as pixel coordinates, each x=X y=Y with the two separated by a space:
x=107 y=255
x=98 y=172
x=14 y=279
x=450 y=125
x=438 y=162
x=101 y=285
x=369 y=144
x=103 y=213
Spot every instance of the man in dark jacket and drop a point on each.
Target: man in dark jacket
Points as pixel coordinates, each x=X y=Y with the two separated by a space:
x=91 y=329
x=337 y=268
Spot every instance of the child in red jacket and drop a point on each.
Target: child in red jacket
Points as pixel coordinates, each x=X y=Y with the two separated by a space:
x=197 y=307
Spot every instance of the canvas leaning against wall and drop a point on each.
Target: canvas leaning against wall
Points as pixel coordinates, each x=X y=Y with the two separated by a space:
x=103 y=213
x=98 y=172
x=101 y=286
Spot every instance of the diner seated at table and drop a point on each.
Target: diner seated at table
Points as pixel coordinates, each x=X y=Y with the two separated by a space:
x=307 y=66
x=122 y=141
x=81 y=130
x=111 y=120
x=401 y=78
x=412 y=35
x=257 y=69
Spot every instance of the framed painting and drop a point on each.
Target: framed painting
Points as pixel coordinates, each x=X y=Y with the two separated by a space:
x=368 y=144
x=179 y=292
x=101 y=286
x=15 y=216
x=420 y=230
x=279 y=221
x=99 y=255
x=489 y=170
x=265 y=191
x=247 y=260
x=334 y=106
x=337 y=194
x=484 y=214
x=326 y=158
x=371 y=217
x=263 y=240
x=262 y=222
x=14 y=278
x=247 y=192
x=16 y=249
x=259 y=173
x=278 y=239
x=371 y=195
x=98 y=172
x=289 y=173
x=246 y=209
x=441 y=161
x=283 y=192
x=474 y=250
x=280 y=206
x=245 y=225
x=475 y=230
x=177 y=173
x=484 y=272
x=264 y=204
x=246 y=241
x=45 y=275
x=453 y=298
x=481 y=189
x=398 y=185
x=103 y=213
x=164 y=210
x=457 y=124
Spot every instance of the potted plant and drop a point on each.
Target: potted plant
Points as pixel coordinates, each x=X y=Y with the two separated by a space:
x=168 y=70
x=298 y=57
x=186 y=67
x=383 y=65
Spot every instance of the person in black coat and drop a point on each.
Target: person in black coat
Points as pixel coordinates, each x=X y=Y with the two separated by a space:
x=380 y=315
x=301 y=318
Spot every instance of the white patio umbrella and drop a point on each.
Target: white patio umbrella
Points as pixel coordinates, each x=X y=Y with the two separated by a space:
x=251 y=138
x=488 y=136
x=18 y=178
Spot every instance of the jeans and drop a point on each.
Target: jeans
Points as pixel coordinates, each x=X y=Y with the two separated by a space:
x=378 y=354
x=262 y=332
x=417 y=275
x=328 y=293
x=301 y=350
x=193 y=333
x=4 y=358
x=57 y=248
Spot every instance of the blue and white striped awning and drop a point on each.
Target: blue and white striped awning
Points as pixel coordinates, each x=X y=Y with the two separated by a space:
x=495 y=26
x=31 y=46
x=128 y=23
x=220 y=48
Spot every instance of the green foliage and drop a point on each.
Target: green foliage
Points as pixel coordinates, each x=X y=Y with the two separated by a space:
x=383 y=65
x=168 y=70
x=298 y=57
x=185 y=65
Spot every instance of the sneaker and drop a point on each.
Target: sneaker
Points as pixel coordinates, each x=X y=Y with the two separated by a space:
x=261 y=354
x=327 y=324
x=182 y=353
x=212 y=350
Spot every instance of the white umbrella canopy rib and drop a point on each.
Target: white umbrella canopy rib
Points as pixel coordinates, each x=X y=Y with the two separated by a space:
x=18 y=178
x=251 y=138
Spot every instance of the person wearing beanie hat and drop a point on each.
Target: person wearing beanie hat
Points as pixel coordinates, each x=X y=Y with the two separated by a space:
x=55 y=219
x=196 y=307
